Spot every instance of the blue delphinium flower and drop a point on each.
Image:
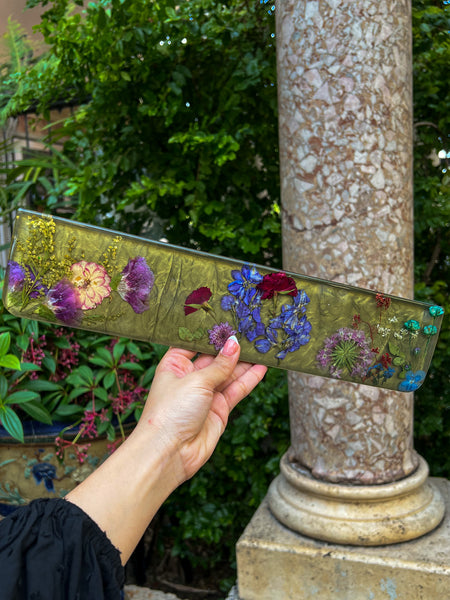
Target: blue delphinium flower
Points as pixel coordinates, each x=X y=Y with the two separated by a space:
x=244 y=282
x=286 y=331
x=412 y=381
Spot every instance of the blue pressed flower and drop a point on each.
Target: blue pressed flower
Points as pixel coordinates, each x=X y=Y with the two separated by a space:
x=388 y=373
x=412 y=381
x=263 y=345
x=430 y=330
x=436 y=311
x=45 y=472
x=228 y=302
x=244 y=281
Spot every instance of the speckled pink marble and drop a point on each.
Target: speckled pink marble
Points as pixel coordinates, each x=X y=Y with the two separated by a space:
x=345 y=122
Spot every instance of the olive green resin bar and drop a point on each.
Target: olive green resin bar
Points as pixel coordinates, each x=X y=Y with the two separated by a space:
x=82 y=276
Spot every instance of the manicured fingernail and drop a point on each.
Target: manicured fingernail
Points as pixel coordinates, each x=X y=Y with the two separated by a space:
x=231 y=346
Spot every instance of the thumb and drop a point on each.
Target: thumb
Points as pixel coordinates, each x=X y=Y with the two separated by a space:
x=224 y=363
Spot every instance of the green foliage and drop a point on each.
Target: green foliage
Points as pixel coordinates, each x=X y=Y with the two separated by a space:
x=161 y=132
x=431 y=46
x=176 y=136
x=19 y=52
x=57 y=376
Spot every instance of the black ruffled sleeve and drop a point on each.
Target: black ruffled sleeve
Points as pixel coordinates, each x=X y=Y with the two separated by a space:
x=52 y=550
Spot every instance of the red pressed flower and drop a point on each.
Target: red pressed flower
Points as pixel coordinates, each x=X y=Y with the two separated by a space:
x=197 y=299
x=356 y=321
x=382 y=301
x=386 y=360
x=277 y=283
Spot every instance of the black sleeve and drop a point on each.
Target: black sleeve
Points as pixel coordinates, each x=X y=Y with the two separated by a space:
x=52 y=550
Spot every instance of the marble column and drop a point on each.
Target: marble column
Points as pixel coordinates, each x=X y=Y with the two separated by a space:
x=345 y=124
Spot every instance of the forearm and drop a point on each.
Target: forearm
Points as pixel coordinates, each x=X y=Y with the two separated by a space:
x=125 y=492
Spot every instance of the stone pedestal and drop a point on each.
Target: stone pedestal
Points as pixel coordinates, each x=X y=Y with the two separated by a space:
x=275 y=563
x=368 y=515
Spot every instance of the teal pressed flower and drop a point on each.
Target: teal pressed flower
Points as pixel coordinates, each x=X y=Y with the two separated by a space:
x=436 y=311
x=412 y=325
x=430 y=330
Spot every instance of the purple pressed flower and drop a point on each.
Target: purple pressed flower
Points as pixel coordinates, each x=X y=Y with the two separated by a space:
x=346 y=350
x=219 y=334
x=64 y=301
x=136 y=284
x=18 y=276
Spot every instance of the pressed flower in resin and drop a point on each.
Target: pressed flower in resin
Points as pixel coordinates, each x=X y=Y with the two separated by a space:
x=92 y=283
x=197 y=299
x=64 y=301
x=136 y=284
x=219 y=334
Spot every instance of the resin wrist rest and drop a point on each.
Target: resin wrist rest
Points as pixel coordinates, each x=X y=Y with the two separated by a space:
x=82 y=276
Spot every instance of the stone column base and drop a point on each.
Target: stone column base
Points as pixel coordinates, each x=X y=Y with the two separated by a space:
x=364 y=515
x=275 y=563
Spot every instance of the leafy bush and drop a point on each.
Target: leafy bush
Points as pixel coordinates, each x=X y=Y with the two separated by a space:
x=90 y=384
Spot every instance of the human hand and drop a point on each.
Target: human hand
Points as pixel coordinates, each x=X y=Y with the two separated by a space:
x=190 y=401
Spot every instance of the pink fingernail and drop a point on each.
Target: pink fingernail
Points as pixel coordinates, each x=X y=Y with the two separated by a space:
x=231 y=346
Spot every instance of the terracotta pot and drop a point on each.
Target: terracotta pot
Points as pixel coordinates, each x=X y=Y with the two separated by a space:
x=32 y=470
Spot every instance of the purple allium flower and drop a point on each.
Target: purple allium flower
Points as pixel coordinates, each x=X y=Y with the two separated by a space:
x=18 y=275
x=346 y=350
x=219 y=334
x=64 y=301
x=136 y=284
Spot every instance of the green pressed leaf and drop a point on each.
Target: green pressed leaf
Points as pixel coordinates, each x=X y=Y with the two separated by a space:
x=399 y=361
x=185 y=334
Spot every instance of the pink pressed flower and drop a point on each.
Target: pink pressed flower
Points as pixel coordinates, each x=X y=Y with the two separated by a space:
x=92 y=283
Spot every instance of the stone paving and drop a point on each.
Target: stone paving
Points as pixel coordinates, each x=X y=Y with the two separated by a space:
x=133 y=592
